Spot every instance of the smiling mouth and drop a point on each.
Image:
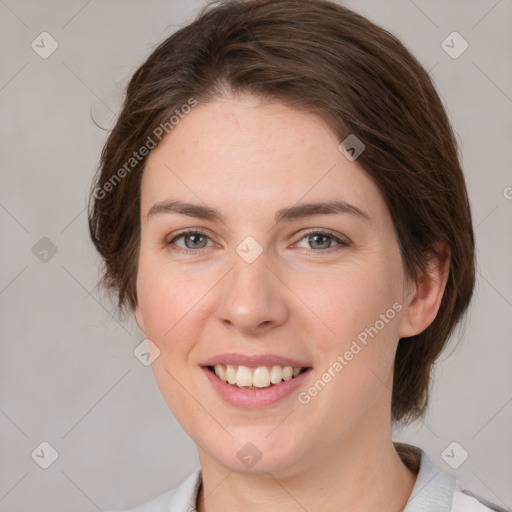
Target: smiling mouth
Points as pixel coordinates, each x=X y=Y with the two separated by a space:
x=260 y=377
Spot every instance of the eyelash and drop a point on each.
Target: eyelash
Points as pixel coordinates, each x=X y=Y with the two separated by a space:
x=324 y=232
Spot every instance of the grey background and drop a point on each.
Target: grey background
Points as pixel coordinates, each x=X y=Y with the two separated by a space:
x=67 y=369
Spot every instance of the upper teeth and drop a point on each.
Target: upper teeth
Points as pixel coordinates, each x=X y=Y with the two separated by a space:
x=260 y=377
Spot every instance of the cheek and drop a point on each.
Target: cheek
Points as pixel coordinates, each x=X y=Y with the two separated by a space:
x=169 y=299
x=351 y=300
x=362 y=306
x=170 y=302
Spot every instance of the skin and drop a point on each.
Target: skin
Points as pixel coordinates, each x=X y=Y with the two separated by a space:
x=300 y=298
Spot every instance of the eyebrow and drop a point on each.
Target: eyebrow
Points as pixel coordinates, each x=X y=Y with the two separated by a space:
x=288 y=214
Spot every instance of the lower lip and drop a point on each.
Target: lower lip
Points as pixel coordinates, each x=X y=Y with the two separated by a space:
x=253 y=398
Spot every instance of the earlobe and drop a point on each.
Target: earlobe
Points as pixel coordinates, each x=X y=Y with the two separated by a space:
x=423 y=304
x=138 y=318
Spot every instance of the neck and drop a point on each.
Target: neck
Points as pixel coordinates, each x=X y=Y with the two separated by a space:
x=364 y=473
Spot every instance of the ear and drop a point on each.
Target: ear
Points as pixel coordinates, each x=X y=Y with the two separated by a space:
x=138 y=318
x=424 y=300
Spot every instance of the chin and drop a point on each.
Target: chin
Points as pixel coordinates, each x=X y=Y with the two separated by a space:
x=253 y=452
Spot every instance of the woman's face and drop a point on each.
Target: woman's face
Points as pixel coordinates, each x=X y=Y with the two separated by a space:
x=258 y=285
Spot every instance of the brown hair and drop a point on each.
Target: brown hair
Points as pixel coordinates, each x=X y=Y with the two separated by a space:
x=322 y=57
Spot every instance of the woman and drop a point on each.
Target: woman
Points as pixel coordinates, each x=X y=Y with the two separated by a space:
x=282 y=208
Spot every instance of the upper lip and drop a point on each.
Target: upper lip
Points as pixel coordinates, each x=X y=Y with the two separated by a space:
x=254 y=360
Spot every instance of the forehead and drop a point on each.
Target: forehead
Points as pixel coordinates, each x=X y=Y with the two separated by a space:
x=243 y=153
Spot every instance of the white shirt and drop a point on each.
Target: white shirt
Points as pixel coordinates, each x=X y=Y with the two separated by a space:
x=434 y=491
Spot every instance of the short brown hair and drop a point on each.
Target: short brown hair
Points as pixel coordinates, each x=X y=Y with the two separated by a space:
x=326 y=59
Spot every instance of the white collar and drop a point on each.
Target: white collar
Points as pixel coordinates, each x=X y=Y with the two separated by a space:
x=434 y=490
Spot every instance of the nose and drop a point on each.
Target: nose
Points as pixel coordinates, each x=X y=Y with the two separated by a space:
x=252 y=298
